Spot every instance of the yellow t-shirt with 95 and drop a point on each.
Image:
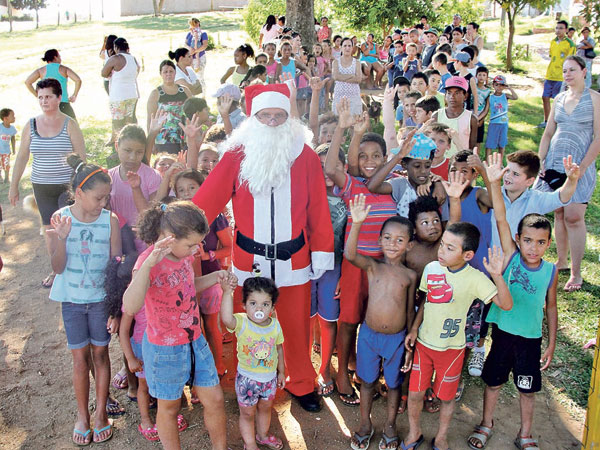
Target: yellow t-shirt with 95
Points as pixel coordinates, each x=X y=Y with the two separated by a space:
x=449 y=296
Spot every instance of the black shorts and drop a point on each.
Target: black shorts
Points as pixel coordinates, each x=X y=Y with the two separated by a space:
x=66 y=108
x=517 y=354
x=480 y=133
x=47 y=197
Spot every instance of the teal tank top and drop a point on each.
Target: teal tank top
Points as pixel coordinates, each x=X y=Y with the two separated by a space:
x=88 y=253
x=528 y=288
x=53 y=72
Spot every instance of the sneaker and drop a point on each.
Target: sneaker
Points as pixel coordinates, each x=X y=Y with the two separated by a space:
x=542 y=125
x=476 y=364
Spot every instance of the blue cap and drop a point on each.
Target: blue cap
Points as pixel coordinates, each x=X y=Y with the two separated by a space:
x=422 y=148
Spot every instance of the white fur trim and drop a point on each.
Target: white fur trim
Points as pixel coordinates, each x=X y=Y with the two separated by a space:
x=270 y=100
x=322 y=260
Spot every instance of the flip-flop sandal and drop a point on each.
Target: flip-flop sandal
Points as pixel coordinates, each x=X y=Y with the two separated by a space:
x=459 y=391
x=120 y=381
x=270 y=441
x=414 y=445
x=324 y=388
x=350 y=399
x=526 y=443
x=433 y=447
x=97 y=432
x=482 y=434
x=85 y=435
x=182 y=424
x=150 y=434
x=114 y=409
x=363 y=441
x=385 y=442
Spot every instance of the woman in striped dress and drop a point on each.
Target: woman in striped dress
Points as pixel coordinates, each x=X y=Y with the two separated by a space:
x=573 y=129
x=49 y=137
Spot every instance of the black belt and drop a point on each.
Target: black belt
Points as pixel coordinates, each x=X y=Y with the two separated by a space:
x=281 y=250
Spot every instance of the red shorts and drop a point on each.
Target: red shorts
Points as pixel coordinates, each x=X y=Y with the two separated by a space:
x=4 y=162
x=354 y=293
x=447 y=365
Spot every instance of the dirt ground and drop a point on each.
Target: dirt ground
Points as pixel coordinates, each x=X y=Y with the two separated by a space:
x=37 y=403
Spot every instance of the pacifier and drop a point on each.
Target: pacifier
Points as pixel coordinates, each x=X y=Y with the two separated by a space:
x=259 y=315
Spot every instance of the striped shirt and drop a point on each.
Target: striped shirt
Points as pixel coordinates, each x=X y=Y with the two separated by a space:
x=50 y=156
x=382 y=208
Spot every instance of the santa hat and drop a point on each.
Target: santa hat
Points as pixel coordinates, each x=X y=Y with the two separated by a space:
x=259 y=96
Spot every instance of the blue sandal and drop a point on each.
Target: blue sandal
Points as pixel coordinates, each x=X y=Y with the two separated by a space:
x=412 y=446
x=97 y=432
x=85 y=434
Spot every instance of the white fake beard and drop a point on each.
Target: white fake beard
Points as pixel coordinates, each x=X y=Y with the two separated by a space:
x=269 y=152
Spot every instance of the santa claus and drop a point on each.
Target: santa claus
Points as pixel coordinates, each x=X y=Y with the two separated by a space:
x=282 y=221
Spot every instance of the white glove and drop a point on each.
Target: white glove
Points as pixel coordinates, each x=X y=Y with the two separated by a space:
x=315 y=274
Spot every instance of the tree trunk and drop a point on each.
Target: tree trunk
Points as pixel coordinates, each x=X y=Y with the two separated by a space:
x=509 y=44
x=155 y=7
x=37 y=19
x=89 y=10
x=301 y=17
x=10 y=17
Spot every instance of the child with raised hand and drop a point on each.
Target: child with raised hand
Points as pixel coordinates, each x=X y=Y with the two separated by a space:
x=85 y=236
x=217 y=245
x=134 y=182
x=437 y=336
x=261 y=369
x=241 y=67
x=325 y=301
x=416 y=159
x=366 y=154
x=163 y=281
x=390 y=311
x=517 y=333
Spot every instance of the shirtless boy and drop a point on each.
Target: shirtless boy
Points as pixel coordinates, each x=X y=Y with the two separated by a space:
x=390 y=311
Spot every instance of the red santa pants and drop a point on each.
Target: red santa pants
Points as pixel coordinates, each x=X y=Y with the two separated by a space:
x=293 y=313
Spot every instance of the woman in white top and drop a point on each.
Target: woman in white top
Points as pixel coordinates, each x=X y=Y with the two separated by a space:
x=269 y=31
x=122 y=70
x=184 y=74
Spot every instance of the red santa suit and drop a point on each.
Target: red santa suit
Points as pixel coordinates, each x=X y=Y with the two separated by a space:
x=288 y=234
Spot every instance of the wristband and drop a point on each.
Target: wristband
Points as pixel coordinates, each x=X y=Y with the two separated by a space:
x=212 y=255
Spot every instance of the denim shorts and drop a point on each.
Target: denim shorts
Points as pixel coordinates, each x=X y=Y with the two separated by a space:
x=497 y=136
x=322 y=295
x=551 y=88
x=137 y=352
x=169 y=368
x=85 y=323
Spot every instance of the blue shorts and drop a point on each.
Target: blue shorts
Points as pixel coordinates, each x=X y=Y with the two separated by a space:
x=322 y=295
x=497 y=136
x=85 y=323
x=168 y=368
x=551 y=88
x=137 y=352
x=371 y=348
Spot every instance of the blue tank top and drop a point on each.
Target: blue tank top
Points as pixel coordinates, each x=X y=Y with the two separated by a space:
x=498 y=108
x=53 y=72
x=289 y=68
x=470 y=212
x=88 y=253
x=372 y=55
x=528 y=288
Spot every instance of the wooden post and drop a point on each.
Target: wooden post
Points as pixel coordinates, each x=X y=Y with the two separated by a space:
x=591 y=431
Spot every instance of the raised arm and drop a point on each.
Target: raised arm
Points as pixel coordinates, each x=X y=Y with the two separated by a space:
x=377 y=182
x=454 y=188
x=224 y=107
x=345 y=121
x=512 y=95
x=361 y=125
x=359 y=214
x=495 y=265
x=495 y=172
x=573 y=172
x=316 y=84
x=389 y=118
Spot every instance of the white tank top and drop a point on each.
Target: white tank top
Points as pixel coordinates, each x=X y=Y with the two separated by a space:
x=123 y=84
x=462 y=124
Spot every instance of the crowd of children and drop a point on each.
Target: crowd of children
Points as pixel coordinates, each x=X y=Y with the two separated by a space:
x=423 y=257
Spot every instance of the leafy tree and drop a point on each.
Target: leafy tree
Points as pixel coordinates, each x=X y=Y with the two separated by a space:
x=30 y=4
x=513 y=8
x=382 y=14
x=300 y=16
x=591 y=12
